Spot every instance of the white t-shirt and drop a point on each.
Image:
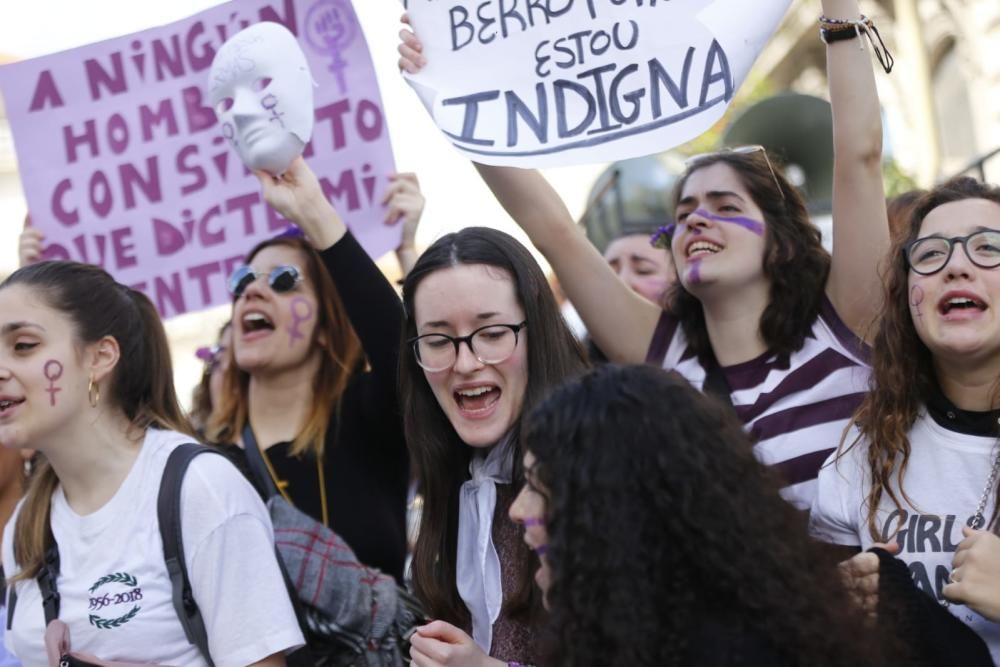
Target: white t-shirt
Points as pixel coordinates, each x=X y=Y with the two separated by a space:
x=944 y=479
x=116 y=594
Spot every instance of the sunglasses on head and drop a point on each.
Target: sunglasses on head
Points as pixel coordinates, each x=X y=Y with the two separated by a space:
x=741 y=150
x=280 y=279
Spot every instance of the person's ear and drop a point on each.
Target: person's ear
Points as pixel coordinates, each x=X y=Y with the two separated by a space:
x=102 y=358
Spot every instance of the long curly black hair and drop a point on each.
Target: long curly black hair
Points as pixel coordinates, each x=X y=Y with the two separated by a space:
x=668 y=542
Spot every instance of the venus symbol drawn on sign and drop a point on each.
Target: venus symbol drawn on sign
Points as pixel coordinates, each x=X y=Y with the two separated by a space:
x=330 y=28
x=302 y=311
x=53 y=370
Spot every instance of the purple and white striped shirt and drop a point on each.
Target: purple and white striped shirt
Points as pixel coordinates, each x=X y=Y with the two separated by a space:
x=794 y=407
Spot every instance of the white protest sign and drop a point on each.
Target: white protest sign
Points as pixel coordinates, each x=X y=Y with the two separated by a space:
x=545 y=83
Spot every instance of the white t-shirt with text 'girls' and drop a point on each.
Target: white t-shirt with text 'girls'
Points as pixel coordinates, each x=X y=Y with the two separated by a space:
x=944 y=481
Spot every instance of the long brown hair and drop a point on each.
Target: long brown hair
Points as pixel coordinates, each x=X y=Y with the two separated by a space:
x=141 y=384
x=902 y=366
x=341 y=356
x=440 y=458
x=795 y=262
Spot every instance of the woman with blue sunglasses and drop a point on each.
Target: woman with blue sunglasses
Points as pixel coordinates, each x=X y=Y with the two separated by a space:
x=312 y=385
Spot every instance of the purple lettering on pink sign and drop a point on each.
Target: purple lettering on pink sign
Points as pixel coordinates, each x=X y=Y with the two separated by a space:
x=302 y=311
x=917 y=298
x=53 y=370
x=127 y=121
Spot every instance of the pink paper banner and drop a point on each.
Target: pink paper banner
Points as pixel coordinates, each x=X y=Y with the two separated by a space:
x=124 y=165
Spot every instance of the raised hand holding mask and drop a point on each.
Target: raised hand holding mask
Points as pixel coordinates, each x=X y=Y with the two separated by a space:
x=261 y=90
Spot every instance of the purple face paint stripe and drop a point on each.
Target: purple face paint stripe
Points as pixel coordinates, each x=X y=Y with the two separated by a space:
x=754 y=226
x=541 y=550
x=695 y=275
x=533 y=521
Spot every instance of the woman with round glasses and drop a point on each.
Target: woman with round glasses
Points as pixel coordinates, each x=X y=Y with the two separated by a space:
x=920 y=467
x=763 y=316
x=484 y=341
x=307 y=315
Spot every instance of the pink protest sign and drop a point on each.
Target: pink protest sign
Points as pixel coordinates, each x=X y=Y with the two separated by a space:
x=125 y=166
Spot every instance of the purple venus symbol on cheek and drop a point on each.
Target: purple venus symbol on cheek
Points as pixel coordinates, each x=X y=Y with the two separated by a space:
x=917 y=298
x=302 y=311
x=53 y=370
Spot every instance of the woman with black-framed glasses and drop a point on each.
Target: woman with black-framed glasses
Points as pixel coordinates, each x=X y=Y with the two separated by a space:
x=921 y=465
x=483 y=341
x=762 y=316
x=309 y=314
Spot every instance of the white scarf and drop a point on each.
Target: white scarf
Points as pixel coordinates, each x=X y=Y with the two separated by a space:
x=478 y=565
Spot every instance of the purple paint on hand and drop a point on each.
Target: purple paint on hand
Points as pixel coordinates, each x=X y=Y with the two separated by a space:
x=302 y=311
x=53 y=370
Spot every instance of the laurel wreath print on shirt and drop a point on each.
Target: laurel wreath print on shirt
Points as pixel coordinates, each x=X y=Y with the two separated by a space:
x=112 y=601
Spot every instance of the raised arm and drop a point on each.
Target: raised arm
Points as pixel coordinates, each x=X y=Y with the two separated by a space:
x=371 y=303
x=620 y=321
x=860 y=224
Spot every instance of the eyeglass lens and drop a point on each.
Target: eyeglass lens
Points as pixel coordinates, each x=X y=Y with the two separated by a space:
x=931 y=254
x=490 y=345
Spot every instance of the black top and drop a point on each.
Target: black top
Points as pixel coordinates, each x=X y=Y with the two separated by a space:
x=366 y=461
x=967 y=422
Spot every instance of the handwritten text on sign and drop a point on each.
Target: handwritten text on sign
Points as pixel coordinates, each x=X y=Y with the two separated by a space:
x=124 y=165
x=555 y=82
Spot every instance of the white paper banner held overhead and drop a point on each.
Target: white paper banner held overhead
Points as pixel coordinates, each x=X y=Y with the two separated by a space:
x=556 y=82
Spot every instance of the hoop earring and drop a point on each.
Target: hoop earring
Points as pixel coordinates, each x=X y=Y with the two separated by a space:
x=93 y=393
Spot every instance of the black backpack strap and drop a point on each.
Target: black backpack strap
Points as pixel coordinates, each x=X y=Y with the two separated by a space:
x=47 y=576
x=168 y=509
x=255 y=462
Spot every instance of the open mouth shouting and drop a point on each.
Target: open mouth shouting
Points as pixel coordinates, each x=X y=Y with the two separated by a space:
x=961 y=306
x=701 y=248
x=255 y=324
x=8 y=405
x=477 y=401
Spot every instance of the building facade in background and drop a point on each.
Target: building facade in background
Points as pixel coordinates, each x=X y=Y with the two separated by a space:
x=942 y=101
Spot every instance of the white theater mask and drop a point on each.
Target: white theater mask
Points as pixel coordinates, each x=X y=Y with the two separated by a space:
x=262 y=92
